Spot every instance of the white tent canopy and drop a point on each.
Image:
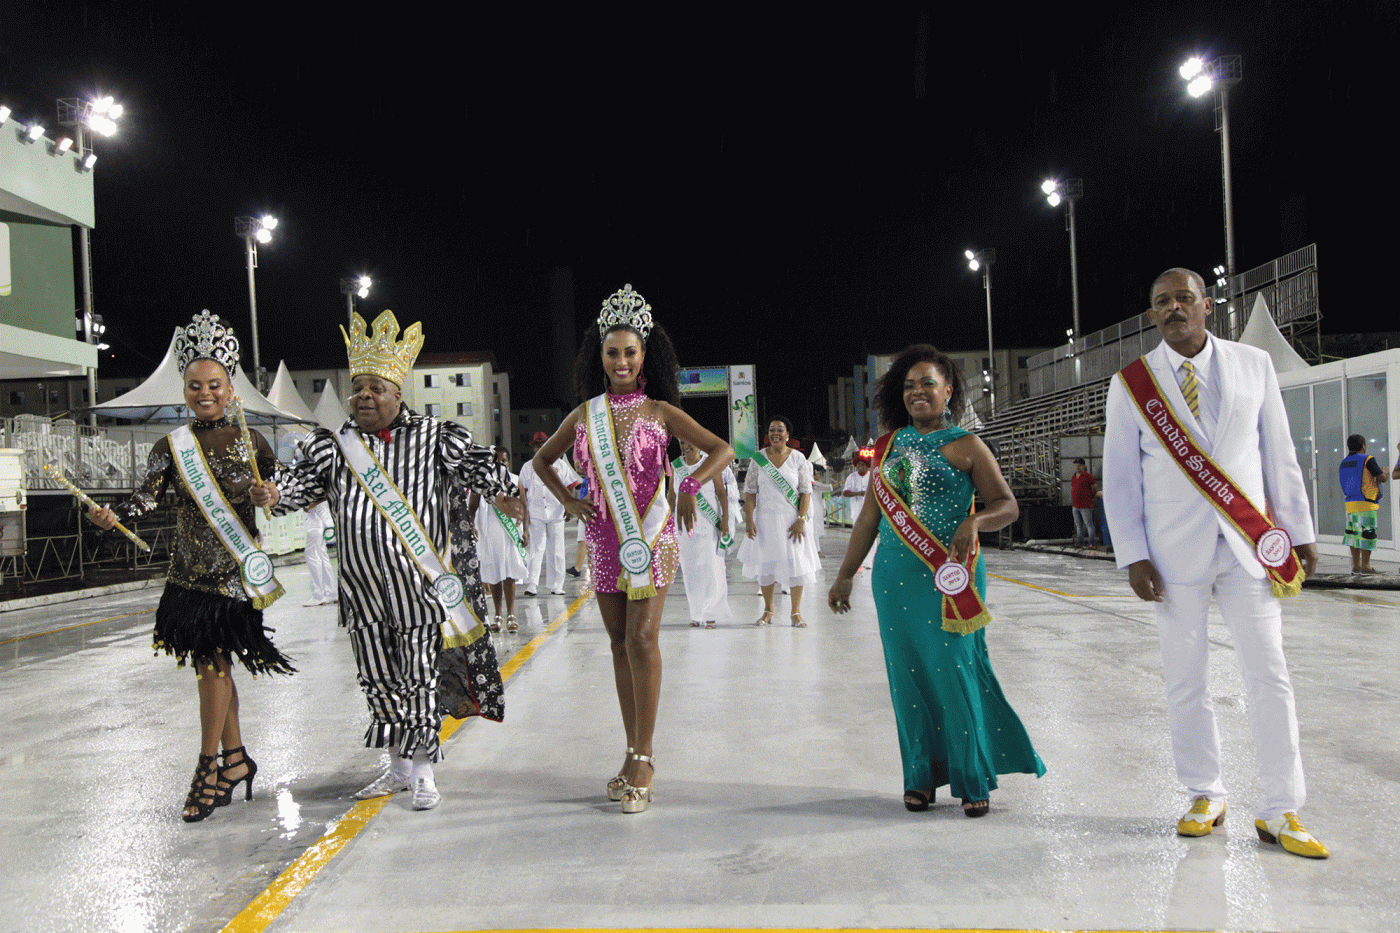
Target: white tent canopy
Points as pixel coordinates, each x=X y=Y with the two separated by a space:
x=330 y=414
x=285 y=396
x=816 y=459
x=162 y=397
x=1261 y=332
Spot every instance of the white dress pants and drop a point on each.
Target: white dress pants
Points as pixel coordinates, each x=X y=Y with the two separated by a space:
x=1252 y=614
x=318 y=559
x=547 y=553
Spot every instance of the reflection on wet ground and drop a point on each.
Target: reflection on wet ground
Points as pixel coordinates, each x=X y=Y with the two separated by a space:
x=777 y=789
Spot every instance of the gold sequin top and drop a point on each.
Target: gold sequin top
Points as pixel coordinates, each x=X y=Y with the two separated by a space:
x=200 y=562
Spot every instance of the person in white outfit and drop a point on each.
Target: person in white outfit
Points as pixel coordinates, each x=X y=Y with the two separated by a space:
x=546 y=523
x=702 y=548
x=319 y=527
x=1205 y=497
x=501 y=549
x=778 y=550
x=854 y=495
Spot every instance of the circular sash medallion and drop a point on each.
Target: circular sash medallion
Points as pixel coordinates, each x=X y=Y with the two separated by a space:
x=449 y=589
x=1274 y=547
x=328 y=535
x=257 y=568
x=951 y=578
x=634 y=555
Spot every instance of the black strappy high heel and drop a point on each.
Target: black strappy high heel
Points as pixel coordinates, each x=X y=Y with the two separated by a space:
x=203 y=796
x=224 y=794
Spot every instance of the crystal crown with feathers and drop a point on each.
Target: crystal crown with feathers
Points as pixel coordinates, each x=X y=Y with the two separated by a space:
x=625 y=308
x=379 y=353
x=207 y=338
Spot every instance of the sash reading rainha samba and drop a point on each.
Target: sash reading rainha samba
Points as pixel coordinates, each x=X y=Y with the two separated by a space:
x=963 y=609
x=256 y=567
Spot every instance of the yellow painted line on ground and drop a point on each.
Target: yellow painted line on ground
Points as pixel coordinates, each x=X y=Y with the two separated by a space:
x=268 y=905
x=69 y=628
x=793 y=930
x=1046 y=589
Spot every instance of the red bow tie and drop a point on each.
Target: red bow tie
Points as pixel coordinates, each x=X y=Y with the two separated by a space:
x=384 y=435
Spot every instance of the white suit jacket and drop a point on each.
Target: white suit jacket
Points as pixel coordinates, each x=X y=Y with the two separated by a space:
x=1155 y=513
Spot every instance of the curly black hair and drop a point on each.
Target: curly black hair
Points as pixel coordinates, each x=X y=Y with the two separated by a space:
x=659 y=368
x=787 y=423
x=889 y=393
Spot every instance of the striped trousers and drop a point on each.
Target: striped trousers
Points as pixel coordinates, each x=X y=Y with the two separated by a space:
x=398 y=674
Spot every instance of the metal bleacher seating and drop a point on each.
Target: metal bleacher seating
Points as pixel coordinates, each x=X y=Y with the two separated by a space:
x=1026 y=437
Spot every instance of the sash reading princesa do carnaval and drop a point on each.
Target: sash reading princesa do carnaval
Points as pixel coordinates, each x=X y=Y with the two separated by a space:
x=703 y=501
x=256 y=567
x=1272 y=546
x=393 y=505
x=963 y=609
x=636 y=536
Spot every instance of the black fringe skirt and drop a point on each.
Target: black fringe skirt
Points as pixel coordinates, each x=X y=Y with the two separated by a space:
x=200 y=627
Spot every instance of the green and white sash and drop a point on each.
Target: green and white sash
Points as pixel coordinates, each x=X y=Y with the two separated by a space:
x=778 y=479
x=703 y=501
x=513 y=532
x=256 y=567
x=393 y=505
x=636 y=536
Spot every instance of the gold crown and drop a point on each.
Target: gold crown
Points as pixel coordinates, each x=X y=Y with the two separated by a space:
x=379 y=354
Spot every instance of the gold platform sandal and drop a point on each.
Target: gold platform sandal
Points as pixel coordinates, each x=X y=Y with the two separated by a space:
x=618 y=785
x=637 y=799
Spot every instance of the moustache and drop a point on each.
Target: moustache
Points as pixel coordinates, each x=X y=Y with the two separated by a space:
x=1175 y=319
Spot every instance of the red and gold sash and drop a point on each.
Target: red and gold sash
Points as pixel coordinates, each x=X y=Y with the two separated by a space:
x=963 y=609
x=1272 y=545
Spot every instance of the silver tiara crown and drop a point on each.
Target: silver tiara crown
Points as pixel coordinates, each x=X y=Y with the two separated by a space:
x=207 y=338
x=625 y=308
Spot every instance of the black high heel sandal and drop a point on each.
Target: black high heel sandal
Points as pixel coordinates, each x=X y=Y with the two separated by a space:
x=917 y=801
x=224 y=792
x=203 y=796
x=976 y=808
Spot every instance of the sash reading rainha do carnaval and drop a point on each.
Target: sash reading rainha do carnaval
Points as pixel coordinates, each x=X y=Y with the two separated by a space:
x=636 y=535
x=963 y=609
x=258 y=580
x=703 y=501
x=1272 y=546
x=392 y=504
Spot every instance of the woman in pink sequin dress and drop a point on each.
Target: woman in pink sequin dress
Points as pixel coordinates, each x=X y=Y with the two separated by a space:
x=629 y=363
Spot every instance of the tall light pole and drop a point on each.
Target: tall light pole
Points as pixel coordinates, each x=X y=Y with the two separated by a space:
x=351 y=289
x=254 y=230
x=983 y=259
x=100 y=115
x=1069 y=191
x=1219 y=75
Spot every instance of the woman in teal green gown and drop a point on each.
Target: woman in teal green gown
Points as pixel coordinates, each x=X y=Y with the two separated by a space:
x=955 y=725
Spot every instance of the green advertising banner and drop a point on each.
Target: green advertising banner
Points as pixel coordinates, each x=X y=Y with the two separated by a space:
x=743 y=414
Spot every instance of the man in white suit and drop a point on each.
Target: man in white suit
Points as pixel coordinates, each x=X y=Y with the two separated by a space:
x=1179 y=549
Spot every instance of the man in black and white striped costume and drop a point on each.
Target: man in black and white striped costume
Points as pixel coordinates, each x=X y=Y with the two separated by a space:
x=388 y=601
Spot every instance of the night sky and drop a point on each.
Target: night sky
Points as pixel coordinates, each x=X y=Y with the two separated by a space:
x=792 y=189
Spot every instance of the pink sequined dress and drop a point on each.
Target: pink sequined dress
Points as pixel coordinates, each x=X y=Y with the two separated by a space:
x=642 y=439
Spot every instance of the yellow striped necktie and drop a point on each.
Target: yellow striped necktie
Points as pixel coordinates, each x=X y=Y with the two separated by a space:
x=1189 y=388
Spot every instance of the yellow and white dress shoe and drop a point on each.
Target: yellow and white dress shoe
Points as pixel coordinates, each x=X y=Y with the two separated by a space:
x=1289 y=833
x=1205 y=814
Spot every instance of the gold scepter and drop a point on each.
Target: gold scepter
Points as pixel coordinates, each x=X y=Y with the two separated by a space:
x=86 y=500
x=247 y=438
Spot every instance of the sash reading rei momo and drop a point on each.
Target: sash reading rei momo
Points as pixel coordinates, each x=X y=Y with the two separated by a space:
x=1272 y=545
x=394 y=507
x=963 y=609
x=636 y=535
x=702 y=500
x=255 y=566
